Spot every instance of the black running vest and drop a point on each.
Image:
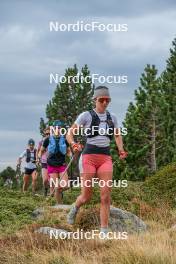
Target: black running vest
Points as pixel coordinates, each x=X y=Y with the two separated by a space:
x=96 y=122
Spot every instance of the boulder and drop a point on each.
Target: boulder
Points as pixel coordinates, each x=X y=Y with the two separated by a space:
x=119 y=220
x=38 y=213
x=52 y=232
x=62 y=206
x=123 y=221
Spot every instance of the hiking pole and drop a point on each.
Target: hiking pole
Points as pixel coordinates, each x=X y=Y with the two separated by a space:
x=18 y=174
x=66 y=169
x=117 y=160
x=68 y=166
x=114 y=162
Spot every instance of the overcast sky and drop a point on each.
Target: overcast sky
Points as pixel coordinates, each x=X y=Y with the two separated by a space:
x=29 y=52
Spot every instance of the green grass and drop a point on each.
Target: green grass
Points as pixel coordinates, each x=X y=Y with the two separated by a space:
x=16 y=210
x=152 y=200
x=158 y=190
x=161 y=187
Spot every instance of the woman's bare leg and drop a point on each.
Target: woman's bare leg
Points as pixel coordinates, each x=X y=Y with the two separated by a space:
x=105 y=193
x=25 y=182
x=34 y=180
x=86 y=190
x=45 y=177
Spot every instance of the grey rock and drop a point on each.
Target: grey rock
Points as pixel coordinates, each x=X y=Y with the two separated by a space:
x=62 y=206
x=38 y=213
x=123 y=221
x=119 y=220
x=52 y=232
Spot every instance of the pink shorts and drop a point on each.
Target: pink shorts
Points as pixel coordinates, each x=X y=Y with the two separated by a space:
x=93 y=163
x=59 y=169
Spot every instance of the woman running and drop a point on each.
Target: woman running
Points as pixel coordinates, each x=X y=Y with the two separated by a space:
x=95 y=159
x=57 y=148
x=43 y=161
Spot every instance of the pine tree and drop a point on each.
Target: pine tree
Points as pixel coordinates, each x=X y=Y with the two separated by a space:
x=144 y=124
x=169 y=112
x=70 y=98
x=8 y=173
x=42 y=126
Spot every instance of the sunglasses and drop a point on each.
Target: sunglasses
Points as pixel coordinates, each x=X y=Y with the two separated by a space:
x=47 y=134
x=107 y=100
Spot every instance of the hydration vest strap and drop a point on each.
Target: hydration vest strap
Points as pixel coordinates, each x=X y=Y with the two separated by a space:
x=96 y=121
x=28 y=155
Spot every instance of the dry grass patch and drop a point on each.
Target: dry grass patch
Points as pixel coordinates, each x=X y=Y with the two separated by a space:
x=147 y=248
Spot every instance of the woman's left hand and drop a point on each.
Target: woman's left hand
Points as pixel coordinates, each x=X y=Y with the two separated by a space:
x=123 y=154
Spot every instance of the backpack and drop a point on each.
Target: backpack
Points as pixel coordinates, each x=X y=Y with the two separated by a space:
x=96 y=122
x=28 y=155
x=57 y=145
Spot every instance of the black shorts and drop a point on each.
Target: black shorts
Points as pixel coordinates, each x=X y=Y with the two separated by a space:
x=44 y=165
x=29 y=171
x=92 y=149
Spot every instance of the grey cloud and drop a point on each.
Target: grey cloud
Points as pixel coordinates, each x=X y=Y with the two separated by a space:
x=69 y=10
x=29 y=52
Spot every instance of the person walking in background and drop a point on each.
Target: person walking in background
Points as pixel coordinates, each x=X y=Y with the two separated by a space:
x=57 y=147
x=30 y=166
x=43 y=161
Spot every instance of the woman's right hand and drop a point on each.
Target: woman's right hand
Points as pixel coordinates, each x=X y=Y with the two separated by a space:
x=76 y=147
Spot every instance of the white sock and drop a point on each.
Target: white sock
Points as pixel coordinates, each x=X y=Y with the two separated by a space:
x=104 y=230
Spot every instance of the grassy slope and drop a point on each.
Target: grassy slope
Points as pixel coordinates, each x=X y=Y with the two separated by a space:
x=153 y=201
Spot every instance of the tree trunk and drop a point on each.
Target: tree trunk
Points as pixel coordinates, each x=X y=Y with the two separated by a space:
x=153 y=142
